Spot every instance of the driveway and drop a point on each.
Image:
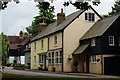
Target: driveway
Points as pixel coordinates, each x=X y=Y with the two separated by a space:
x=32 y=73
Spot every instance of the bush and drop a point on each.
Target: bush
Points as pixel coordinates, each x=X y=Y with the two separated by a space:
x=19 y=65
x=40 y=68
x=8 y=64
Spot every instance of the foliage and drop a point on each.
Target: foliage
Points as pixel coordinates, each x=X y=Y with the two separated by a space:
x=19 y=65
x=115 y=8
x=45 y=13
x=8 y=64
x=105 y=16
x=4 y=42
x=75 y=63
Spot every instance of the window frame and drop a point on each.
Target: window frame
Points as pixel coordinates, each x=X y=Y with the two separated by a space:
x=51 y=57
x=55 y=40
x=35 y=60
x=34 y=46
x=89 y=16
x=93 y=59
x=58 y=57
x=41 y=59
x=111 y=40
x=93 y=42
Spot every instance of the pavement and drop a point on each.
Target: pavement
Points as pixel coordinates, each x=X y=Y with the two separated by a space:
x=56 y=74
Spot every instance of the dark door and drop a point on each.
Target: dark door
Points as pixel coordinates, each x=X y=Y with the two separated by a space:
x=87 y=63
x=112 y=65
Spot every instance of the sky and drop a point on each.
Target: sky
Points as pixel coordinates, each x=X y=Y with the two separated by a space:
x=18 y=16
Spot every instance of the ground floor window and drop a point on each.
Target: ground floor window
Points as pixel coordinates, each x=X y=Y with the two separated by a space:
x=58 y=57
x=34 y=60
x=51 y=58
x=93 y=59
x=41 y=59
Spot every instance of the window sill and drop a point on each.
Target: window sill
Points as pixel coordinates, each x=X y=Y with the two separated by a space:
x=93 y=62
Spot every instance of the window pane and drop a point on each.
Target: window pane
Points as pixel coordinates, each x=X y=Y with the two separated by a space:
x=86 y=16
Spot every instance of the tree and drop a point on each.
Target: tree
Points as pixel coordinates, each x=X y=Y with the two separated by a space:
x=45 y=13
x=115 y=8
x=4 y=47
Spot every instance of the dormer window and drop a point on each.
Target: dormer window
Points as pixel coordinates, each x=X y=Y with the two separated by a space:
x=111 y=41
x=93 y=42
x=55 y=40
x=89 y=16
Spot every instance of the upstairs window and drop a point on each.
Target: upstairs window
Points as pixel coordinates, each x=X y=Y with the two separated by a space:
x=93 y=42
x=34 y=46
x=55 y=40
x=93 y=60
x=42 y=44
x=111 y=41
x=89 y=16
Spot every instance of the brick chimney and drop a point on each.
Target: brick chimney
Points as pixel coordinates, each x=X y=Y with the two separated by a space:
x=60 y=17
x=42 y=26
x=21 y=34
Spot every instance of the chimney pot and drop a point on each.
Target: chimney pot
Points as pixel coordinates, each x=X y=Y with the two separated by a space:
x=62 y=10
x=42 y=26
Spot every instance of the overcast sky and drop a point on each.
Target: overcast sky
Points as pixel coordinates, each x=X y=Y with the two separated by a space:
x=18 y=16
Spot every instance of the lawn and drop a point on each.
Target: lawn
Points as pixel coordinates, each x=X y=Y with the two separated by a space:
x=7 y=76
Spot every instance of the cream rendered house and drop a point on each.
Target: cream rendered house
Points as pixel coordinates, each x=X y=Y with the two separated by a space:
x=63 y=38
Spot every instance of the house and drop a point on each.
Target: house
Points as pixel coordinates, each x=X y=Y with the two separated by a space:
x=16 y=47
x=99 y=49
x=53 y=47
x=27 y=54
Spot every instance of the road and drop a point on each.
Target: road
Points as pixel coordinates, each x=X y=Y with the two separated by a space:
x=32 y=73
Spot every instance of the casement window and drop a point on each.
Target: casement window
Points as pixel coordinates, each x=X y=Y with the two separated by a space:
x=93 y=59
x=42 y=44
x=111 y=41
x=119 y=41
x=51 y=58
x=41 y=59
x=55 y=40
x=89 y=16
x=93 y=42
x=34 y=46
x=34 y=60
x=58 y=57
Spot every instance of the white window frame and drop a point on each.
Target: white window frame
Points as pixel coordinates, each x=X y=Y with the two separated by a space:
x=88 y=18
x=58 y=57
x=93 y=59
x=51 y=57
x=34 y=60
x=55 y=40
x=93 y=42
x=111 y=41
x=42 y=44
x=41 y=59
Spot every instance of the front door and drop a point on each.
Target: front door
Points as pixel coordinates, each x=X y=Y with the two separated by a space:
x=87 y=63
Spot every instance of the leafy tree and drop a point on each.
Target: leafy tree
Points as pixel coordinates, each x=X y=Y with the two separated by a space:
x=115 y=8
x=4 y=47
x=45 y=13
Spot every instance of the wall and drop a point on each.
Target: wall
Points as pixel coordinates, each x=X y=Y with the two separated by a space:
x=72 y=34
x=38 y=51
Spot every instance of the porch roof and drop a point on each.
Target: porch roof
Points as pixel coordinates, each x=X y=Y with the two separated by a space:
x=81 y=48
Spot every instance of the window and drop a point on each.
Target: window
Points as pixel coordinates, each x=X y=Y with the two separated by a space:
x=119 y=41
x=42 y=44
x=51 y=58
x=111 y=41
x=34 y=46
x=55 y=40
x=93 y=59
x=41 y=59
x=58 y=57
x=93 y=42
x=34 y=60
x=89 y=17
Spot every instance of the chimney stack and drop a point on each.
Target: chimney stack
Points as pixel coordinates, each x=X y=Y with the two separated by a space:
x=60 y=17
x=42 y=26
x=21 y=34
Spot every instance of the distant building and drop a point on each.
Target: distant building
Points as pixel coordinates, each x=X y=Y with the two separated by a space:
x=16 y=48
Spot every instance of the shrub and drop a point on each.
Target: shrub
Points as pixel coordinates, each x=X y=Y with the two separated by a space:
x=8 y=64
x=19 y=65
